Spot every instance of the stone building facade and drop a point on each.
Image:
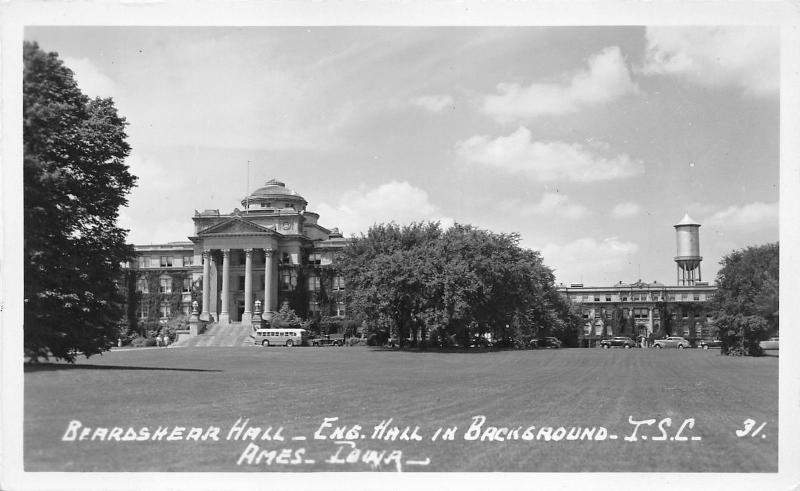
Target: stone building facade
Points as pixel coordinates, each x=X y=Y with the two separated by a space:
x=651 y=309
x=272 y=250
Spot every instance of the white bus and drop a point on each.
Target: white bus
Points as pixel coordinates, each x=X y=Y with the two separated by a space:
x=280 y=337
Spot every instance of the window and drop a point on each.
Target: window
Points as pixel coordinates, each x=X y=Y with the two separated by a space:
x=597 y=315
x=241 y=283
x=640 y=313
x=584 y=298
x=635 y=299
x=289 y=279
x=187 y=285
x=586 y=314
x=672 y=298
x=313 y=283
x=696 y=297
x=165 y=311
x=340 y=309
x=165 y=285
x=144 y=311
x=185 y=310
x=313 y=306
x=166 y=261
x=315 y=259
x=338 y=283
x=608 y=299
x=188 y=260
x=285 y=259
x=624 y=299
x=596 y=299
x=626 y=312
x=141 y=285
x=684 y=296
x=144 y=261
x=684 y=313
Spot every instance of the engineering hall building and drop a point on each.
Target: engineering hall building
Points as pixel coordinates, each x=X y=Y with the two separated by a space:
x=644 y=310
x=273 y=252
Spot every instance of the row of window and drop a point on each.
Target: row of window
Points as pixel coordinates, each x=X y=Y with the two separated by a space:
x=313 y=306
x=288 y=282
x=239 y=258
x=645 y=298
x=164 y=285
x=165 y=261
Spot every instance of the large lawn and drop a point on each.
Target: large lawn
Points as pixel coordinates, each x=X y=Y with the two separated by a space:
x=297 y=388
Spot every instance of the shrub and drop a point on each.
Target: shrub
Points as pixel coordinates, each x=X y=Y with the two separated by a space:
x=139 y=342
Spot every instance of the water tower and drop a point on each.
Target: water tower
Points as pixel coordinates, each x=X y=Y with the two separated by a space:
x=687 y=232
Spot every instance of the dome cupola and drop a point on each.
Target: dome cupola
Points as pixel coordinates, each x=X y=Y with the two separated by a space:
x=274 y=195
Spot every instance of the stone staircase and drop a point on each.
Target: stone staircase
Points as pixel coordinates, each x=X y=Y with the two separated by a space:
x=234 y=334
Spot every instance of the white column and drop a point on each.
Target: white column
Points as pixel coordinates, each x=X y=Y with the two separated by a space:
x=248 y=287
x=224 y=316
x=204 y=315
x=268 y=283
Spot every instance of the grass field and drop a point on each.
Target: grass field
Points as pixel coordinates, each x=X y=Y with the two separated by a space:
x=297 y=388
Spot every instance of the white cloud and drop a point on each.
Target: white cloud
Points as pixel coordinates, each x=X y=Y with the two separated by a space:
x=744 y=57
x=551 y=204
x=625 y=210
x=589 y=260
x=434 y=103
x=91 y=80
x=752 y=216
x=606 y=78
x=547 y=161
x=394 y=201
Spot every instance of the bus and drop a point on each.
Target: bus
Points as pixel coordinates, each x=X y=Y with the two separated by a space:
x=280 y=337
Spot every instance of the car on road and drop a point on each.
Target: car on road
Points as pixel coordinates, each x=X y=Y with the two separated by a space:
x=671 y=342
x=328 y=340
x=480 y=342
x=618 y=342
x=549 y=342
x=770 y=344
x=708 y=344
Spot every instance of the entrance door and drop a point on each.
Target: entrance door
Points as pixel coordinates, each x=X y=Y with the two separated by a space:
x=239 y=310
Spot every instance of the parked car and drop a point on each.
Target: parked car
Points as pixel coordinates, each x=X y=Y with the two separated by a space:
x=480 y=342
x=549 y=342
x=328 y=340
x=714 y=343
x=618 y=341
x=671 y=342
x=770 y=344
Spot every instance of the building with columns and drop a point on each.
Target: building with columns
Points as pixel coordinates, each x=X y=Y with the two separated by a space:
x=271 y=250
x=642 y=309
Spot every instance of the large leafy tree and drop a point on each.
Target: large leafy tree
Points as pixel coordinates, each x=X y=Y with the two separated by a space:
x=458 y=282
x=75 y=180
x=746 y=302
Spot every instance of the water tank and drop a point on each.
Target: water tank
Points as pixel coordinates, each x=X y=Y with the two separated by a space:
x=687 y=232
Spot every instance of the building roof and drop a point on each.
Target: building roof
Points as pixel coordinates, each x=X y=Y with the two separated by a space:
x=274 y=187
x=687 y=220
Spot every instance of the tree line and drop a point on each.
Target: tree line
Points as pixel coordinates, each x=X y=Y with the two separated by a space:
x=423 y=282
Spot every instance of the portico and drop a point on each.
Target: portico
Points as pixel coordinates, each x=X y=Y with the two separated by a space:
x=244 y=253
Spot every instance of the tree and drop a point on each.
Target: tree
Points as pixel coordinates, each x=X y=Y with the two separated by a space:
x=75 y=180
x=457 y=283
x=286 y=318
x=746 y=302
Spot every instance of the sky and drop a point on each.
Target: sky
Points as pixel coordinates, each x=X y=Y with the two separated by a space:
x=588 y=142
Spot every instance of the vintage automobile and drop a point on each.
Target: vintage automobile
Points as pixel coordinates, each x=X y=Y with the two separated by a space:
x=671 y=342
x=770 y=344
x=548 y=342
x=708 y=344
x=618 y=342
x=328 y=340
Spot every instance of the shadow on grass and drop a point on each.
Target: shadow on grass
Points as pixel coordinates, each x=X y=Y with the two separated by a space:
x=48 y=367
